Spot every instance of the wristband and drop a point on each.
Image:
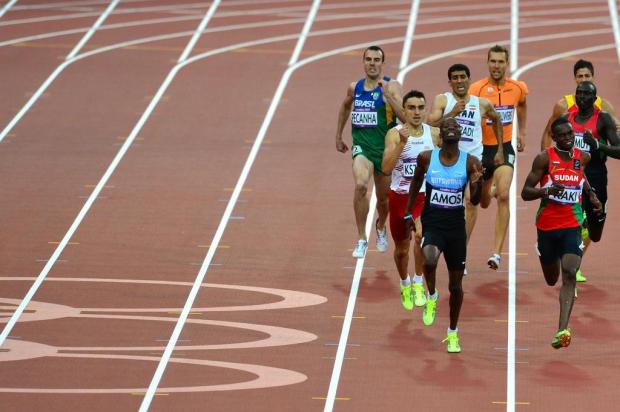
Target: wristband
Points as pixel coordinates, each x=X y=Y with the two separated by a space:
x=408 y=216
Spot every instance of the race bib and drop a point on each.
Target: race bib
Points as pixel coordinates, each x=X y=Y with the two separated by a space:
x=468 y=129
x=364 y=119
x=408 y=169
x=446 y=199
x=580 y=143
x=505 y=114
x=568 y=197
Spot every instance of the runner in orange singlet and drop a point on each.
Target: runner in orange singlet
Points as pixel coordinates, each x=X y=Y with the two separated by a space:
x=508 y=97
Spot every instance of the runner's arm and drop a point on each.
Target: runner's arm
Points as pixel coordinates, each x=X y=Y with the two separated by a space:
x=521 y=120
x=435 y=136
x=394 y=145
x=436 y=113
x=607 y=107
x=608 y=133
x=474 y=172
x=489 y=112
x=558 y=110
x=539 y=168
x=394 y=97
x=343 y=116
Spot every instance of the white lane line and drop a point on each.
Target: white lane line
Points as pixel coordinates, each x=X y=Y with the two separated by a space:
x=359 y=266
x=199 y=31
x=304 y=33
x=70 y=58
x=404 y=57
x=92 y=30
x=613 y=14
x=6 y=7
x=512 y=236
x=223 y=223
x=512 y=228
x=514 y=35
x=87 y=205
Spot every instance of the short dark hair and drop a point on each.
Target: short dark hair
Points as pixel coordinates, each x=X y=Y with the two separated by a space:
x=498 y=49
x=583 y=64
x=458 y=67
x=413 y=93
x=558 y=122
x=375 y=48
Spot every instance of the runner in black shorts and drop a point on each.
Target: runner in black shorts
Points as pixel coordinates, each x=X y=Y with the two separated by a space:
x=446 y=172
x=488 y=156
x=595 y=132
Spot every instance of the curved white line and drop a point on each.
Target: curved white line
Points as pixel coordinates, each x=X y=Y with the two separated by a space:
x=7 y=6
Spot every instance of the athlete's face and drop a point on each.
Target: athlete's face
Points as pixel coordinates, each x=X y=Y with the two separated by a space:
x=563 y=136
x=373 y=63
x=459 y=81
x=583 y=75
x=415 y=109
x=497 y=63
x=585 y=96
x=450 y=131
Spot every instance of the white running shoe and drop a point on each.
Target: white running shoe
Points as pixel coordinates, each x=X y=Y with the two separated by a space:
x=494 y=261
x=360 y=249
x=382 y=239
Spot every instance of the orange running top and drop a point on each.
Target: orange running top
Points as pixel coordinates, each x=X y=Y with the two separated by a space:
x=505 y=98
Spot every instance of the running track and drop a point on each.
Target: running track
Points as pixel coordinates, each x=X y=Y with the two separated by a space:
x=148 y=155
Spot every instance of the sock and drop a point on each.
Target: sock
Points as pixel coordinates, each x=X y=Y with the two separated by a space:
x=434 y=296
x=405 y=282
x=418 y=278
x=450 y=330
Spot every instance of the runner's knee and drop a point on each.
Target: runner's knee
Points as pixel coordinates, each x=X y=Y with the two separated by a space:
x=455 y=288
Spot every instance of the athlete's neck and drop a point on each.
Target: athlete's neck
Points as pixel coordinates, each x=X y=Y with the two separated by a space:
x=372 y=82
x=566 y=154
x=584 y=114
x=465 y=97
x=415 y=131
x=497 y=83
x=449 y=151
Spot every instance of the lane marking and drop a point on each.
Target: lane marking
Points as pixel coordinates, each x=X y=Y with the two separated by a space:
x=320 y=398
x=6 y=7
x=613 y=14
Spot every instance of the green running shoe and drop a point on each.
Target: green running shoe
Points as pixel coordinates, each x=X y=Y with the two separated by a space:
x=561 y=339
x=405 y=297
x=579 y=276
x=430 y=307
x=419 y=298
x=453 y=342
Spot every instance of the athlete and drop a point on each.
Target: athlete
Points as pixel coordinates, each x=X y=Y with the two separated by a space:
x=583 y=70
x=560 y=172
x=507 y=96
x=403 y=143
x=468 y=110
x=373 y=103
x=595 y=132
x=446 y=172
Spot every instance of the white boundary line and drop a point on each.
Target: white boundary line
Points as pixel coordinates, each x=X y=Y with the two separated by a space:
x=512 y=226
x=7 y=7
x=226 y=216
x=68 y=60
x=359 y=265
x=613 y=13
x=413 y=18
x=91 y=199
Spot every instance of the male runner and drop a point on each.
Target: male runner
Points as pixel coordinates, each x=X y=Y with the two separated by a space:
x=446 y=172
x=506 y=95
x=403 y=144
x=583 y=70
x=468 y=110
x=560 y=172
x=373 y=104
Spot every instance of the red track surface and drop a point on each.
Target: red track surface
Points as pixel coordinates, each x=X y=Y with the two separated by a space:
x=93 y=334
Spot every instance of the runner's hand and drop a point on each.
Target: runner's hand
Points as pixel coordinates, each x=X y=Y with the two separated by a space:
x=409 y=224
x=589 y=139
x=341 y=146
x=555 y=189
x=404 y=134
x=520 y=143
x=498 y=160
x=597 y=207
x=476 y=174
x=458 y=108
